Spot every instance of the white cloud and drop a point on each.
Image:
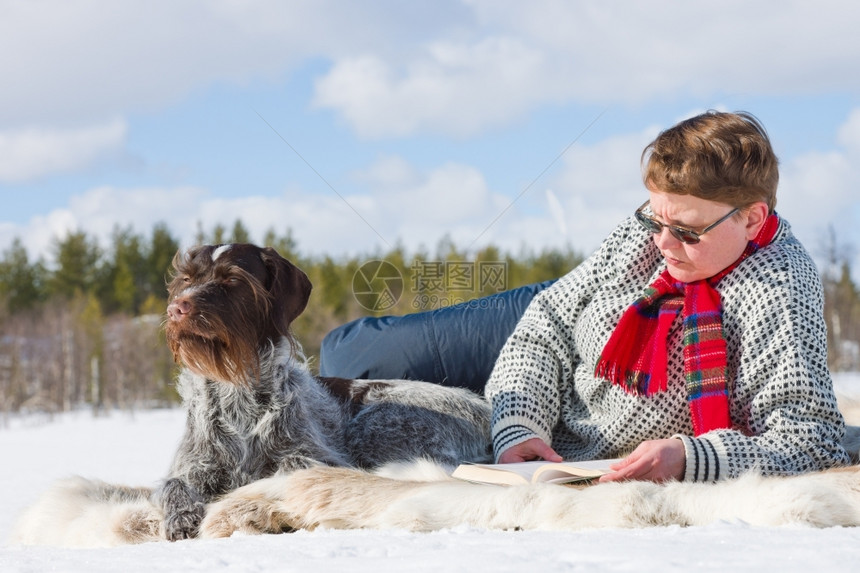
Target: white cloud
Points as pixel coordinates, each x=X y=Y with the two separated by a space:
x=635 y=51
x=101 y=210
x=447 y=194
x=402 y=205
x=84 y=59
x=819 y=189
x=521 y=55
x=33 y=152
x=453 y=88
x=452 y=67
x=849 y=133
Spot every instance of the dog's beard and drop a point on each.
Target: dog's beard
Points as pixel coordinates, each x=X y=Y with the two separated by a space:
x=235 y=362
x=221 y=339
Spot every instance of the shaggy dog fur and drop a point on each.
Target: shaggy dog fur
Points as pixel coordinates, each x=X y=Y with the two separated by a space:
x=270 y=448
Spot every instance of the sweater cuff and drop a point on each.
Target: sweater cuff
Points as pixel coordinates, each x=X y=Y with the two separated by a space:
x=509 y=436
x=706 y=460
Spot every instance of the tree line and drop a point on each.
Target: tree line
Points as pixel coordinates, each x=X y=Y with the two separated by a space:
x=82 y=327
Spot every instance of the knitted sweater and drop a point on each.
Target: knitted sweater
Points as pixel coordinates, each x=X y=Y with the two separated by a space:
x=783 y=408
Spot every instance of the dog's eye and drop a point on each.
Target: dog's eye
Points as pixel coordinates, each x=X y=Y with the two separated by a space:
x=232 y=281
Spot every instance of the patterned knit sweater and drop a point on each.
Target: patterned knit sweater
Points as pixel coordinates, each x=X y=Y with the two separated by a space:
x=783 y=408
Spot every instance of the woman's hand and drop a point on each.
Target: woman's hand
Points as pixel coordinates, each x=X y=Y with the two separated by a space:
x=533 y=449
x=654 y=460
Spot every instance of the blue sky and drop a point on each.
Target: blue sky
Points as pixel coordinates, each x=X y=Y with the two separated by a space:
x=361 y=125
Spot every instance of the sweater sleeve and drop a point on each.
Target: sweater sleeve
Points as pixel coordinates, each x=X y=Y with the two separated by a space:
x=784 y=410
x=539 y=357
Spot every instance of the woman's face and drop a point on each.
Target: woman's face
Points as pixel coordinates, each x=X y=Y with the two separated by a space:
x=716 y=250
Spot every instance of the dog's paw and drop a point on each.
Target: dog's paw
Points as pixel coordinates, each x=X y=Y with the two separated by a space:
x=248 y=515
x=183 y=523
x=140 y=525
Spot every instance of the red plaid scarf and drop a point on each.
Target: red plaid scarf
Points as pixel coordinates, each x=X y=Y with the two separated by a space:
x=635 y=356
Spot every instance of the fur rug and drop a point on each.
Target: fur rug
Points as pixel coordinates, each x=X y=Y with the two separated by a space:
x=78 y=512
x=345 y=499
x=421 y=497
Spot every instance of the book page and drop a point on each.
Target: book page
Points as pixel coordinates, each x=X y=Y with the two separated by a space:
x=510 y=474
x=570 y=471
x=527 y=472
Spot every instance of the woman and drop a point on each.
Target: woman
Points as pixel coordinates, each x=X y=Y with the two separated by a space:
x=718 y=367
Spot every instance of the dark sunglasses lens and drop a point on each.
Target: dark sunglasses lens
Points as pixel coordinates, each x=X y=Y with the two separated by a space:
x=684 y=236
x=648 y=223
x=656 y=227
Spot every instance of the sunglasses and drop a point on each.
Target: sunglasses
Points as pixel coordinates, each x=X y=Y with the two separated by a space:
x=687 y=236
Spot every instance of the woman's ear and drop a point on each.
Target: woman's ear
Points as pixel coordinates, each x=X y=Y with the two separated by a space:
x=757 y=214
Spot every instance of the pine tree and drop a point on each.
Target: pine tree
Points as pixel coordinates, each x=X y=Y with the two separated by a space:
x=21 y=283
x=162 y=248
x=77 y=265
x=240 y=233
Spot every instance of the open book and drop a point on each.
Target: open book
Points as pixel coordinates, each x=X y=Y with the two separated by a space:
x=533 y=472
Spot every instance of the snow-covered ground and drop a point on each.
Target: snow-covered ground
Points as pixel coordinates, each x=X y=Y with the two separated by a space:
x=136 y=450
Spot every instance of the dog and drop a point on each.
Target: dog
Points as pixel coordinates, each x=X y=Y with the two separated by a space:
x=255 y=409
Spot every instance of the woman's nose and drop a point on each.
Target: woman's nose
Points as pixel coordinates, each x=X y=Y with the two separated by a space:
x=665 y=239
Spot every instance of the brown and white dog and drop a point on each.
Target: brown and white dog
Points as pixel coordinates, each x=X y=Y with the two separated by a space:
x=255 y=410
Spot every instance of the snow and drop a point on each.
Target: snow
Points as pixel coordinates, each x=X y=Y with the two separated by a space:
x=135 y=449
x=847 y=384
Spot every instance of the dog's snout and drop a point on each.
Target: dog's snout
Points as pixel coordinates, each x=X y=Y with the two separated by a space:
x=179 y=309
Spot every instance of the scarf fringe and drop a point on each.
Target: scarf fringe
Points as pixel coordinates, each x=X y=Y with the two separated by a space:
x=634 y=383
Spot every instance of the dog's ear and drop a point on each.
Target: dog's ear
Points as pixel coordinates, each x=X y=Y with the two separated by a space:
x=289 y=286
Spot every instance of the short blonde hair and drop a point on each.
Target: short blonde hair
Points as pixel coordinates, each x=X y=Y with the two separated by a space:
x=719 y=156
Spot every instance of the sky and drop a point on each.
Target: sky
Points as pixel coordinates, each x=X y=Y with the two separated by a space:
x=361 y=126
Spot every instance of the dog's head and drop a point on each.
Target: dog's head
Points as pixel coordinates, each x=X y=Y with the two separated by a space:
x=227 y=302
